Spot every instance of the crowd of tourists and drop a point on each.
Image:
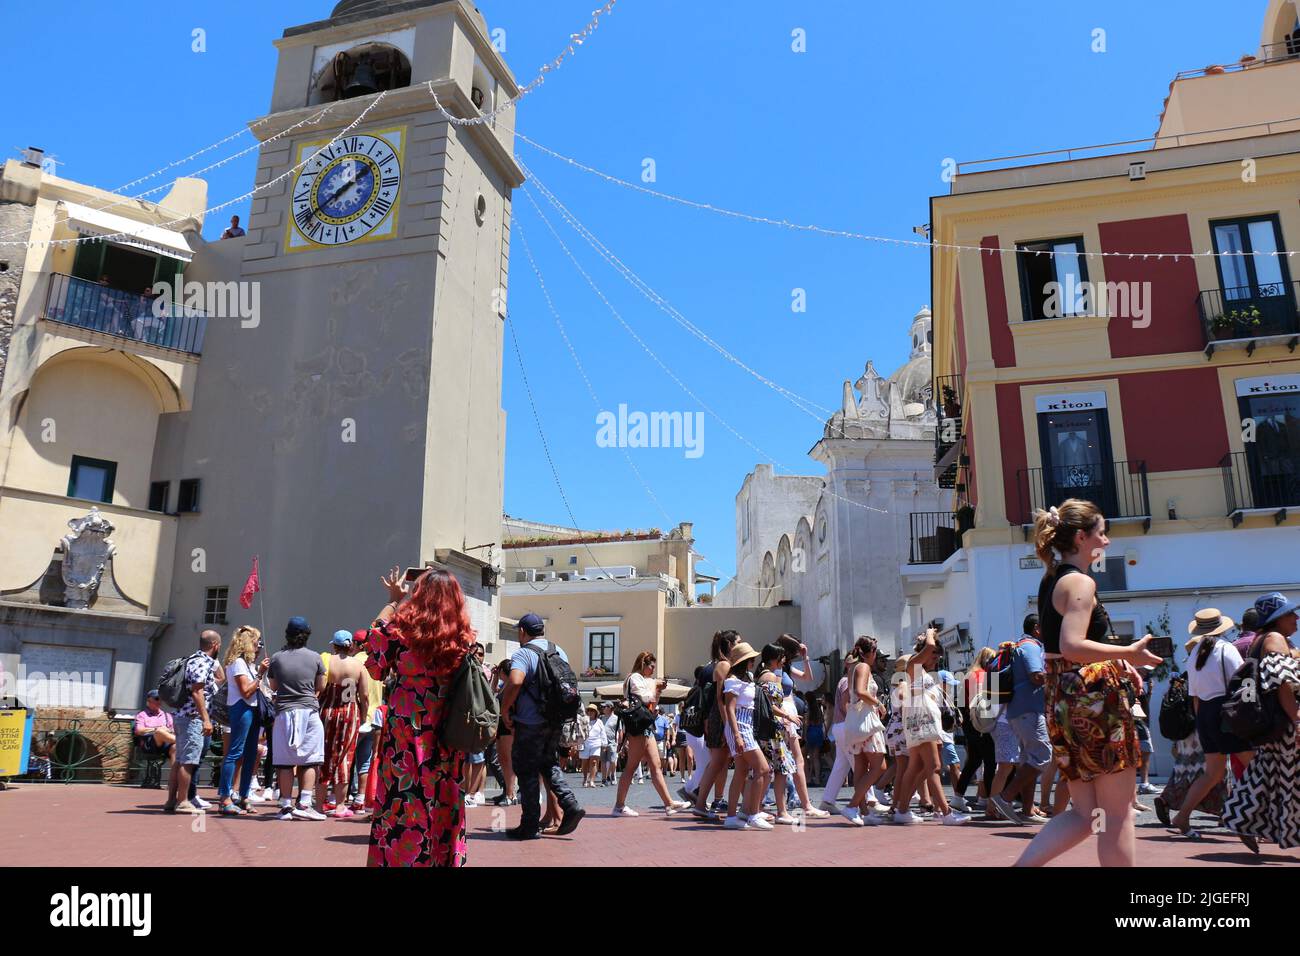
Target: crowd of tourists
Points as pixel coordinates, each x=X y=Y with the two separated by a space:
x=404 y=721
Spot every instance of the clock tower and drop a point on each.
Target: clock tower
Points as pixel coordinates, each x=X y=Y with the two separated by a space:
x=355 y=422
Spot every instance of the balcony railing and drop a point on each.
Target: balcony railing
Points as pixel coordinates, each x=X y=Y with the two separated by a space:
x=934 y=537
x=1250 y=484
x=140 y=318
x=949 y=396
x=1118 y=488
x=1246 y=313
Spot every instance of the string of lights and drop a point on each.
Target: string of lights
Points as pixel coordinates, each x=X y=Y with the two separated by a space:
x=803 y=404
x=866 y=237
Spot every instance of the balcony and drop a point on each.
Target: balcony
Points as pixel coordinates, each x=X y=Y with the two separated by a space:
x=1250 y=316
x=949 y=397
x=1118 y=488
x=126 y=315
x=936 y=535
x=1251 y=486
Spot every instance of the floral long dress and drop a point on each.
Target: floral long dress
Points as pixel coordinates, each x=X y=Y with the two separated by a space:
x=776 y=750
x=419 y=817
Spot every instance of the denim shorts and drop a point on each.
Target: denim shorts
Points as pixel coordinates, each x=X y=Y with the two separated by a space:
x=477 y=757
x=189 y=740
x=948 y=753
x=1030 y=731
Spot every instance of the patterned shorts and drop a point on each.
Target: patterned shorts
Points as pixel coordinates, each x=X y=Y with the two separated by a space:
x=745 y=723
x=1090 y=719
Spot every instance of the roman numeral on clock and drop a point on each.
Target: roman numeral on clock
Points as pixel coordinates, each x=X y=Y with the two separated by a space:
x=382 y=206
x=389 y=181
x=305 y=215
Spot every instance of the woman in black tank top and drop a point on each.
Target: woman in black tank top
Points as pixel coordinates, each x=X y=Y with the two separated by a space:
x=1089 y=692
x=715 y=771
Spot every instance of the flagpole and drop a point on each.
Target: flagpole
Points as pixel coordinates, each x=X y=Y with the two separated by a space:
x=261 y=602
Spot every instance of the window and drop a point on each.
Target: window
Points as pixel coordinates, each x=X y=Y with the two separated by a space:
x=550 y=562
x=1053 y=279
x=602 y=649
x=187 y=497
x=214 y=605
x=159 y=491
x=1272 y=460
x=1255 y=295
x=573 y=559
x=92 y=479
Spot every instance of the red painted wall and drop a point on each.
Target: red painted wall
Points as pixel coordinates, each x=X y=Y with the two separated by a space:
x=1011 y=428
x=1174 y=419
x=995 y=300
x=1173 y=291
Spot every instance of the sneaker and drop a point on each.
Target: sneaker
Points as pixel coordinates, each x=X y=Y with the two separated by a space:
x=853 y=815
x=786 y=820
x=959 y=804
x=169 y=806
x=1148 y=788
x=906 y=818
x=735 y=823
x=624 y=812
x=719 y=806
x=255 y=797
x=689 y=796
x=329 y=806
x=873 y=819
x=300 y=812
x=285 y=813
x=1006 y=810
x=954 y=819
x=830 y=806
x=186 y=807
x=480 y=799
x=342 y=813
x=201 y=803
x=703 y=814
x=519 y=833
x=760 y=822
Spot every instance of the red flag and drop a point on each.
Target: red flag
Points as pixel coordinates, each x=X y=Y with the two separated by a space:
x=251 y=587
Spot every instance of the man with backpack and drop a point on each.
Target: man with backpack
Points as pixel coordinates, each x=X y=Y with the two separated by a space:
x=1020 y=737
x=189 y=685
x=541 y=695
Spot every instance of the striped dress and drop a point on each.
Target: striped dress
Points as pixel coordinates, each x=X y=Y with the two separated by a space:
x=1266 y=803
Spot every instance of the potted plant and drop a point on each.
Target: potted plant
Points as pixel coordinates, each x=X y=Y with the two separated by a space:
x=965 y=519
x=1223 y=327
x=1247 y=321
x=951 y=407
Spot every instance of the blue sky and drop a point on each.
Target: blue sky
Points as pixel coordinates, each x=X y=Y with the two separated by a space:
x=850 y=134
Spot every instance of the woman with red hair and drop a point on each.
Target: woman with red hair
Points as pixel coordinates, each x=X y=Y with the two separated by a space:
x=420 y=638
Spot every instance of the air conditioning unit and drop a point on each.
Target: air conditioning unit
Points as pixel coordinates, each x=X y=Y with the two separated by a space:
x=551 y=576
x=526 y=574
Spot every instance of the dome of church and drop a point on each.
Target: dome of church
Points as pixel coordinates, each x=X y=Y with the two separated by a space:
x=374 y=8
x=912 y=380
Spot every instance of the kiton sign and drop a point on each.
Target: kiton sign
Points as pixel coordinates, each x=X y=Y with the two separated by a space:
x=1275 y=385
x=1076 y=402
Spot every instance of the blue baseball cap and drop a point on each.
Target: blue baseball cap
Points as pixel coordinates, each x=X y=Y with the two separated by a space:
x=532 y=625
x=1272 y=606
x=297 y=625
x=153 y=694
x=341 y=638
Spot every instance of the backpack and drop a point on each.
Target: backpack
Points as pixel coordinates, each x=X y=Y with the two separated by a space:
x=1001 y=682
x=171 y=686
x=696 y=706
x=983 y=711
x=557 y=686
x=1177 y=719
x=218 y=711
x=1252 y=715
x=471 y=713
x=764 y=717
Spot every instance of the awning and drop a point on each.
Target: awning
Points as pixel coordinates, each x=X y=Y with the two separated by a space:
x=127 y=232
x=944 y=463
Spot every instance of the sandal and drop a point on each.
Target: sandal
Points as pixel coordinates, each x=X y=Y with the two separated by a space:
x=1162 y=811
x=1189 y=834
x=230 y=810
x=1251 y=843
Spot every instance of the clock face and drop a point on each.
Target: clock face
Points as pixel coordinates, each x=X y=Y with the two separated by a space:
x=347 y=191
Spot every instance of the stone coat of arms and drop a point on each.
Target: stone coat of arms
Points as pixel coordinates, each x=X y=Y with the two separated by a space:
x=86 y=552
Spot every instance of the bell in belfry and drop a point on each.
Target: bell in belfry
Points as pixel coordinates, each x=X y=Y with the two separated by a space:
x=362 y=81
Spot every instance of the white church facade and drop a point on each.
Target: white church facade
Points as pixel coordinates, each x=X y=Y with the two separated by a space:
x=832 y=544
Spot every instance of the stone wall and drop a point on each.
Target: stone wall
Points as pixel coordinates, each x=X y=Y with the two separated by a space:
x=15 y=218
x=102 y=753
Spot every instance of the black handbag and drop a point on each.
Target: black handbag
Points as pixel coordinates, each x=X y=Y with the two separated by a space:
x=635 y=716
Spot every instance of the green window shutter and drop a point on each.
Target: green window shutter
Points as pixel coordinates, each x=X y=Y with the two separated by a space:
x=89 y=261
x=169 y=270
